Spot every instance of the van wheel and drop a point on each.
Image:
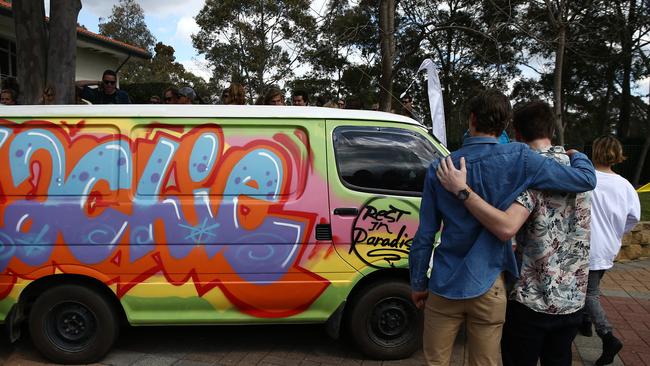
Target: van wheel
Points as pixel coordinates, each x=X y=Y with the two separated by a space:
x=73 y=324
x=384 y=322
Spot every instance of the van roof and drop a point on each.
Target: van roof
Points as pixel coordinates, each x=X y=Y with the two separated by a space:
x=197 y=111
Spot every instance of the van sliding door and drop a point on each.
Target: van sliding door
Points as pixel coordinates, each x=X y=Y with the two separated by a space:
x=226 y=212
x=376 y=175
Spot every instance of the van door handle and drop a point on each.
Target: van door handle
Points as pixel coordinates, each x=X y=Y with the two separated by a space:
x=346 y=211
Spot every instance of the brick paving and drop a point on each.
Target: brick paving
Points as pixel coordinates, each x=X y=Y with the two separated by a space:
x=626 y=299
x=626 y=290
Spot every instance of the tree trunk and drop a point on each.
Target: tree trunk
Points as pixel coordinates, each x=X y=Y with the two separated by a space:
x=640 y=163
x=557 y=82
x=387 y=39
x=603 y=119
x=31 y=48
x=261 y=67
x=62 y=53
x=623 y=129
x=644 y=150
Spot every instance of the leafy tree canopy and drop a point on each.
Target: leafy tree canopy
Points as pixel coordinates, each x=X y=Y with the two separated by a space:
x=126 y=23
x=257 y=43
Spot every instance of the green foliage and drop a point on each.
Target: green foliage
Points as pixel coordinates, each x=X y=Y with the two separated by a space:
x=314 y=87
x=126 y=23
x=151 y=77
x=141 y=92
x=466 y=39
x=645 y=206
x=257 y=43
x=144 y=78
x=510 y=45
x=593 y=78
x=507 y=44
x=161 y=68
x=470 y=45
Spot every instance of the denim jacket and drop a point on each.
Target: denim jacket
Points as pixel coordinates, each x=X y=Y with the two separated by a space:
x=469 y=258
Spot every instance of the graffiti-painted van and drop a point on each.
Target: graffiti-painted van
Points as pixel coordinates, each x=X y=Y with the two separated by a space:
x=162 y=215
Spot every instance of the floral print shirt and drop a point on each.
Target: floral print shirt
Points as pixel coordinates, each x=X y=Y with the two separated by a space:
x=553 y=248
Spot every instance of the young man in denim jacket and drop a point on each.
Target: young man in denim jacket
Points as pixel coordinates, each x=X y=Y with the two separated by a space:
x=467 y=279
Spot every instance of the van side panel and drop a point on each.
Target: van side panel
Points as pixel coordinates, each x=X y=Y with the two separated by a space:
x=188 y=220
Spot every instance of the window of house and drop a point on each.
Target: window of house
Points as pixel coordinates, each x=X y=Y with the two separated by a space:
x=7 y=58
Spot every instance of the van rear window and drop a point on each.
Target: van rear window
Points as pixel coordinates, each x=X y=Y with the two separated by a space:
x=382 y=160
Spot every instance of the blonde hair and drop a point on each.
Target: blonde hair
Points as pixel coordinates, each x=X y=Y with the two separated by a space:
x=607 y=150
x=236 y=94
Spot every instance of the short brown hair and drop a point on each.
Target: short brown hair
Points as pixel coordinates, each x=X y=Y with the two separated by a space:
x=534 y=120
x=235 y=94
x=301 y=93
x=173 y=90
x=607 y=150
x=492 y=110
x=272 y=93
x=10 y=92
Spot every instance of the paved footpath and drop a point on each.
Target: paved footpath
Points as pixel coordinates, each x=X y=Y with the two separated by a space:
x=626 y=290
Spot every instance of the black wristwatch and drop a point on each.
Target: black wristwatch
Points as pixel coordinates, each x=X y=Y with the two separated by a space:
x=463 y=194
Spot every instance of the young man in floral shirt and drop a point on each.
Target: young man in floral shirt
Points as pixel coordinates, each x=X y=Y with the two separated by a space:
x=544 y=307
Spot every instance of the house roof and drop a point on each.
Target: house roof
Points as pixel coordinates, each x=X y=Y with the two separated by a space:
x=88 y=36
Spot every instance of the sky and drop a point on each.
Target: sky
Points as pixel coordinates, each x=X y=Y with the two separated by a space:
x=170 y=21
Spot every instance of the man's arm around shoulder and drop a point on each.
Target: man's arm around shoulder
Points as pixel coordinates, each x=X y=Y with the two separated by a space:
x=547 y=174
x=503 y=224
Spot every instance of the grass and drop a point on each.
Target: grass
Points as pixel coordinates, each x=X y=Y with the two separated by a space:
x=645 y=206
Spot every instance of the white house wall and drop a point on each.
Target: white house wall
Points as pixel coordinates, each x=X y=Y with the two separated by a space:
x=91 y=64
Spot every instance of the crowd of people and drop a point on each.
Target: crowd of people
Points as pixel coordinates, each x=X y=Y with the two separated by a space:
x=522 y=304
x=106 y=91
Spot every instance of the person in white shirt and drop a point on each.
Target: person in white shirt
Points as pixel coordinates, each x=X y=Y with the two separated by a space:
x=615 y=210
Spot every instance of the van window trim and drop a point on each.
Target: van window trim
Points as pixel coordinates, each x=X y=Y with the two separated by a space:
x=354 y=187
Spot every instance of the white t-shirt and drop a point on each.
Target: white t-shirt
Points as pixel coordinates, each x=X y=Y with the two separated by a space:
x=615 y=209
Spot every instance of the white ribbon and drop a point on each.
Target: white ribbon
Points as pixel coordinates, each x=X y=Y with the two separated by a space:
x=435 y=101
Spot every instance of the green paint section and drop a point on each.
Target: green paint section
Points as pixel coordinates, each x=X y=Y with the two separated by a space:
x=5 y=306
x=328 y=302
x=165 y=310
x=195 y=310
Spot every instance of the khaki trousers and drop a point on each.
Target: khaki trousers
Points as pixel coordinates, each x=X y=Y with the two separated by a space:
x=484 y=317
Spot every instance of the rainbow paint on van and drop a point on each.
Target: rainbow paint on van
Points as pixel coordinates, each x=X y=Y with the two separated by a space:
x=192 y=216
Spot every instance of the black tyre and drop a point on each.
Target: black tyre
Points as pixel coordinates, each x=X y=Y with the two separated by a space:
x=73 y=324
x=384 y=322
